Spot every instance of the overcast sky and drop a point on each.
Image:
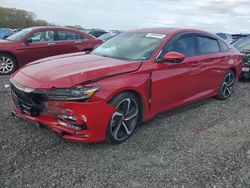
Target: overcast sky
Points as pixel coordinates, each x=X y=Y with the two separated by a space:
x=212 y=15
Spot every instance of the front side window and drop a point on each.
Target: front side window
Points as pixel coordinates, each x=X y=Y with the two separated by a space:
x=224 y=46
x=207 y=45
x=43 y=36
x=184 y=45
x=131 y=46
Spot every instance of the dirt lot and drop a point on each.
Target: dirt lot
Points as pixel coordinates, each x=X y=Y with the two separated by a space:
x=206 y=144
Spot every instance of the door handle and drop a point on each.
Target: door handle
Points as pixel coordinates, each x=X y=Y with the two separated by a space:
x=51 y=43
x=78 y=42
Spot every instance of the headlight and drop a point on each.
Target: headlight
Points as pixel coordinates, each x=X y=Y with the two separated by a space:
x=78 y=93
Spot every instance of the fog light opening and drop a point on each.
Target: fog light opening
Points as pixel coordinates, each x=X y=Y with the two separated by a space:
x=71 y=122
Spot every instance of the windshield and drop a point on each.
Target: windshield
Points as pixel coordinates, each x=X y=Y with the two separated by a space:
x=242 y=44
x=130 y=46
x=19 y=35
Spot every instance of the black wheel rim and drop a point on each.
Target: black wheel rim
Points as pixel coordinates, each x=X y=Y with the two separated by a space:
x=228 y=83
x=123 y=121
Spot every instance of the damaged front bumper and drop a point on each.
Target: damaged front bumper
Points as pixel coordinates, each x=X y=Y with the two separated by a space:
x=75 y=121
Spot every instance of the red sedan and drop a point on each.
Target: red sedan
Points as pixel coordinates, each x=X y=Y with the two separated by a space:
x=39 y=42
x=126 y=80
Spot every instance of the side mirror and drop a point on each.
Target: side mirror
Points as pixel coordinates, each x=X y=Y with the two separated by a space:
x=28 y=41
x=173 y=57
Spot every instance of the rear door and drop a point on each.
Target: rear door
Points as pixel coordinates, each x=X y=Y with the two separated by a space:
x=211 y=63
x=70 y=42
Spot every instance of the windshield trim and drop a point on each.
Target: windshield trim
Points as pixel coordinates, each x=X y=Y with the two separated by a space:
x=114 y=57
x=29 y=31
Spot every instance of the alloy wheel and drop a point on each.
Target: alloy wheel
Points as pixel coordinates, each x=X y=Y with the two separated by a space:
x=227 y=87
x=124 y=120
x=6 y=65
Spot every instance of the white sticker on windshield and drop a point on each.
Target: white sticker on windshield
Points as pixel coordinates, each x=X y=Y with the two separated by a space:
x=155 y=35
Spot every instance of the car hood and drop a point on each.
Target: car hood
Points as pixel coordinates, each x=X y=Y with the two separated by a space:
x=69 y=70
x=5 y=41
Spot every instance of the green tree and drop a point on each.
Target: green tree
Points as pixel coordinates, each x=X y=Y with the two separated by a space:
x=75 y=27
x=17 y=18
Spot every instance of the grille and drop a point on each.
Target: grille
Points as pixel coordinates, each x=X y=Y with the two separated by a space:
x=247 y=58
x=30 y=103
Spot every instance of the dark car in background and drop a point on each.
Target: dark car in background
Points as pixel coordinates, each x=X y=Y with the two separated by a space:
x=5 y=32
x=227 y=37
x=239 y=36
x=243 y=45
x=96 y=32
x=17 y=30
x=39 y=42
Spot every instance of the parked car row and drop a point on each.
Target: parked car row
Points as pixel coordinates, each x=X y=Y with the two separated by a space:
x=243 y=45
x=104 y=95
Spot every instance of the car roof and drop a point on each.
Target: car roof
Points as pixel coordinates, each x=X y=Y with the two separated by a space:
x=54 y=27
x=166 y=30
x=49 y=27
x=60 y=28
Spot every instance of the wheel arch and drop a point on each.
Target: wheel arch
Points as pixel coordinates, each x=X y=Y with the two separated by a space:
x=140 y=98
x=12 y=55
x=234 y=70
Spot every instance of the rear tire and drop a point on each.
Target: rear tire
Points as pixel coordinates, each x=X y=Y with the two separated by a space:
x=226 y=87
x=123 y=122
x=8 y=64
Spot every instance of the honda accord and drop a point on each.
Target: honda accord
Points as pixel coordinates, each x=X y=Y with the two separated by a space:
x=129 y=79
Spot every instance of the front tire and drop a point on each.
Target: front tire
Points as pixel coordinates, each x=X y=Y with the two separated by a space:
x=8 y=64
x=226 y=88
x=123 y=122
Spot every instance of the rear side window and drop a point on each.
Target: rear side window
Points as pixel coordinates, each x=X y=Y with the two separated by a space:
x=224 y=47
x=207 y=45
x=184 y=45
x=222 y=35
x=67 y=35
x=79 y=37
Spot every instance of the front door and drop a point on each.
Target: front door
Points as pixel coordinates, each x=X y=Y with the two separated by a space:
x=41 y=45
x=176 y=83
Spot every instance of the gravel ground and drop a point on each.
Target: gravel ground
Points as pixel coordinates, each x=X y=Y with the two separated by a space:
x=206 y=144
